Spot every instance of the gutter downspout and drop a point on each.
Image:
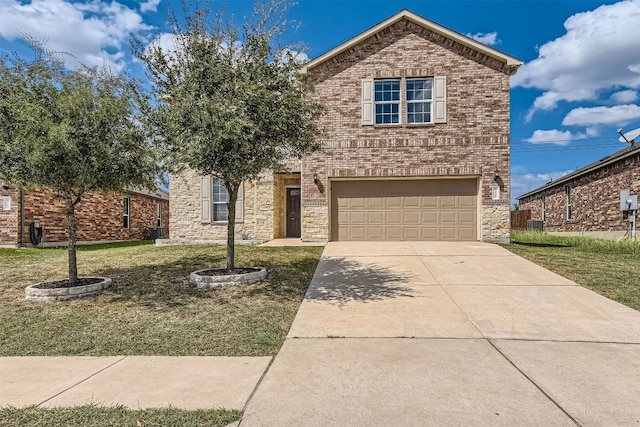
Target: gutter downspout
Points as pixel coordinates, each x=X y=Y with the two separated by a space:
x=21 y=218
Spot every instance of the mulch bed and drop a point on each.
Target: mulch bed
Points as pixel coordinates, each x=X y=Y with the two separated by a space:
x=58 y=284
x=225 y=272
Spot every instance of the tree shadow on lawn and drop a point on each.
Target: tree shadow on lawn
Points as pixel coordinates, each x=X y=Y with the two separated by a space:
x=167 y=284
x=343 y=280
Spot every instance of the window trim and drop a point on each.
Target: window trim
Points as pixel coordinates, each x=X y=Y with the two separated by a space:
x=159 y=214
x=6 y=203
x=544 y=207
x=438 y=101
x=567 y=190
x=207 y=199
x=220 y=184
x=126 y=214
x=398 y=103
x=420 y=101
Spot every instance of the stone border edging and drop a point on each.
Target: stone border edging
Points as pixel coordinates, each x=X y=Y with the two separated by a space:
x=61 y=294
x=215 y=282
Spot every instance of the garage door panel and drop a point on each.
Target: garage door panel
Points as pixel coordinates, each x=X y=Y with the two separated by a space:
x=429 y=201
x=448 y=217
x=393 y=202
x=438 y=209
x=393 y=217
x=467 y=217
x=376 y=217
x=375 y=203
x=447 y=201
x=467 y=201
x=411 y=217
x=393 y=233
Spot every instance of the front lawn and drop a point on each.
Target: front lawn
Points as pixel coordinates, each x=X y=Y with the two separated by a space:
x=607 y=267
x=151 y=308
x=95 y=416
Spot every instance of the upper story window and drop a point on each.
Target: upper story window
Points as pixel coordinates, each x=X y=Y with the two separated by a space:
x=387 y=101
x=419 y=95
x=404 y=101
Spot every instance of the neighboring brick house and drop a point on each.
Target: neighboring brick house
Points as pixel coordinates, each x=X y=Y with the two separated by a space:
x=108 y=217
x=417 y=148
x=587 y=201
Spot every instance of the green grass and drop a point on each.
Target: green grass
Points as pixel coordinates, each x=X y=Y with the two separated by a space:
x=607 y=267
x=151 y=308
x=94 y=416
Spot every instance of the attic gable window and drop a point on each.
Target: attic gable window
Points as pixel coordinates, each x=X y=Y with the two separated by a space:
x=404 y=101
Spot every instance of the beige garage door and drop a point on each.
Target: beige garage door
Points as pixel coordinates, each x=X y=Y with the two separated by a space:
x=433 y=209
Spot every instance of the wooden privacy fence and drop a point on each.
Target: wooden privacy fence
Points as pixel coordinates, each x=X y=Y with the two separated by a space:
x=519 y=219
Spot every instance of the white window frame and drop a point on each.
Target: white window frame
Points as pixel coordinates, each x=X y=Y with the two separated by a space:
x=126 y=214
x=159 y=215
x=6 y=203
x=419 y=101
x=383 y=102
x=544 y=207
x=567 y=190
x=438 y=107
x=221 y=191
x=208 y=196
x=495 y=192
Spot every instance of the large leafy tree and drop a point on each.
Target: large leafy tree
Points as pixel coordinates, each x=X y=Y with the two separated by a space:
x=71 y=131
x=229 y=101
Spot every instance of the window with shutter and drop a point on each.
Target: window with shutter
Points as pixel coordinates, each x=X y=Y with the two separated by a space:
x=424 y=100
x=214 y=197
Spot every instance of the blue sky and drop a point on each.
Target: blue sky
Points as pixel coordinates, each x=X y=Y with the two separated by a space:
x=579 y=84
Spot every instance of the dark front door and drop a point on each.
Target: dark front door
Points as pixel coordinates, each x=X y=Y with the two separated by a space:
x=293 y=212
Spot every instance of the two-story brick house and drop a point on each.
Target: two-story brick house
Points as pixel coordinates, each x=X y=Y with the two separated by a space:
x=416 y=148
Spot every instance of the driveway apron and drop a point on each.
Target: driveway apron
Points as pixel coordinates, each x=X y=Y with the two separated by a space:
x=464 y=333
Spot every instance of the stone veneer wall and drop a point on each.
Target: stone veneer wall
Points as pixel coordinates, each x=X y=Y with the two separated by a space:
x=473 y=142
x=595 y=199
x=99 y=217
x=186 y=221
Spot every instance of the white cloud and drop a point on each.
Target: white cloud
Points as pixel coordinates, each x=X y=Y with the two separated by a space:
x=490 y=39
x=559 y=137
x=93 y=32
x=149 y=6
x=522 y=183
x=625 y=96
x=617 y=115
x=598 y=52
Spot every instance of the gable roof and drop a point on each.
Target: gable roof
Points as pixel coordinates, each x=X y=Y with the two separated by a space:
x=511 y=61
x=605 y=161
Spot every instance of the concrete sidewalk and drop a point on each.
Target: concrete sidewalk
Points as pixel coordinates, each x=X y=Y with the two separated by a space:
x=433 y=333
x=138 y=382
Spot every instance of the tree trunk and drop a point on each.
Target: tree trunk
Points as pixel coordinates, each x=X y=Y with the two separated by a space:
x=232 y=189
x=70 y=208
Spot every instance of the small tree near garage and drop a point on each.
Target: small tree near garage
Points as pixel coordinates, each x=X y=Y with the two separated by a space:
x=230 y=101
x=71 y=131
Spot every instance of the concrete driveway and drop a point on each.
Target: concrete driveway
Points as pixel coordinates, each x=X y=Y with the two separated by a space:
x=434 y=333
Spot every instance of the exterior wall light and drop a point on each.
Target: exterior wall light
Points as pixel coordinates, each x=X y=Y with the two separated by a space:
x=315 y=178
x=496 y=174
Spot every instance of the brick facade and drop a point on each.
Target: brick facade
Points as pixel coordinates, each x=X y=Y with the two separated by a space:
x=472 y=143
x=595 y=197
x=99 y=217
